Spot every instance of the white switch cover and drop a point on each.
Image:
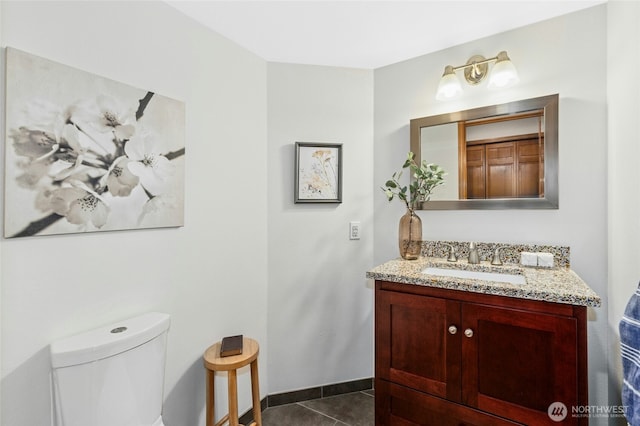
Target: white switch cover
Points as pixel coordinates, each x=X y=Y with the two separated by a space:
x=354 y=230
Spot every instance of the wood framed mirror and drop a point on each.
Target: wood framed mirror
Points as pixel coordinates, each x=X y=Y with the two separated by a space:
x=497 y=157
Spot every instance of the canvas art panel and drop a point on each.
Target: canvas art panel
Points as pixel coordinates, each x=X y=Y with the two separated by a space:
x=318 y=177
x=84 y=153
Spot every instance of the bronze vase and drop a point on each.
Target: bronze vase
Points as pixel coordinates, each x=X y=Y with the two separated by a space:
x=410 y=235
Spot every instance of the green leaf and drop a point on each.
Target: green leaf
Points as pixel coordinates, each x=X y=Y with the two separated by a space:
x=424 y=178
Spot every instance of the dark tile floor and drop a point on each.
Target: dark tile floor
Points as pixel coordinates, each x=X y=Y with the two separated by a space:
x=349 y=409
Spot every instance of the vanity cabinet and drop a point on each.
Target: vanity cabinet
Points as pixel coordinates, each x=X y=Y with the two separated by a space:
x=449 y=357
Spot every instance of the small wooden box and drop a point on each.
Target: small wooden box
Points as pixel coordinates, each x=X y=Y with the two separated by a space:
x=231 y=345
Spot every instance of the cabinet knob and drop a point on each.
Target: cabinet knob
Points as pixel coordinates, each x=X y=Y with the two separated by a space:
x=468 y=332
x=453 y=329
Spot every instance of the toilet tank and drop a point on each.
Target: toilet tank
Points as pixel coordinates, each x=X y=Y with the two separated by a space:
x=113 y=375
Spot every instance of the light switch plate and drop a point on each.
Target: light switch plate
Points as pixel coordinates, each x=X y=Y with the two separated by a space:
x=354 y=230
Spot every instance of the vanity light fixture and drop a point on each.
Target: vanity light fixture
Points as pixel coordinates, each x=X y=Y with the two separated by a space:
x=503 y=74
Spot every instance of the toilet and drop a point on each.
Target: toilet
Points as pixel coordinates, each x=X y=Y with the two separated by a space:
x=113 y=375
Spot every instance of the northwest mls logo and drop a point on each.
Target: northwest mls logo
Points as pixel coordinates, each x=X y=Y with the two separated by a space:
x=557 y=411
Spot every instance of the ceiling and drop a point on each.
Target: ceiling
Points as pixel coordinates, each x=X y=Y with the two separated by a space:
x=365 y=34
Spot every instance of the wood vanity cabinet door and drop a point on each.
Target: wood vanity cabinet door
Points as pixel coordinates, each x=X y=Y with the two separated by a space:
x=414 y=345
x=516 y=363
x=397 y=405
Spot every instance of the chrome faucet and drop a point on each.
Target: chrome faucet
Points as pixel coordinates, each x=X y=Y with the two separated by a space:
x=453 y=257
x=496 y=257
x=474 y=258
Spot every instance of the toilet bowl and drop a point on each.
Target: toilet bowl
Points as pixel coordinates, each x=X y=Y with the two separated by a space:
x=113 y=375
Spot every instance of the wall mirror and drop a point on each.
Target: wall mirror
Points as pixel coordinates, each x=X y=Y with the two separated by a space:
x=496 y=157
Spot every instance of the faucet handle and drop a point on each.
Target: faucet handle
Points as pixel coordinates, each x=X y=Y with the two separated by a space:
x=496 y=257
x=474 y=256
x=452 y=253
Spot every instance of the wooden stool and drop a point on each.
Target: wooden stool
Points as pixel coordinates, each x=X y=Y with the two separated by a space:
x=214 y=362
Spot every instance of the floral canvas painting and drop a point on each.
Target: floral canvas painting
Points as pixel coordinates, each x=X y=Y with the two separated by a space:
x=318 y=173
x=85 y=153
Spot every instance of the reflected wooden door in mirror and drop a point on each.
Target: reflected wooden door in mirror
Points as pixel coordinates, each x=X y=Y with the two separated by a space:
x=497 y=157
x=502 y=157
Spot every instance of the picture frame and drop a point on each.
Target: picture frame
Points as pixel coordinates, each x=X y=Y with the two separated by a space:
x=85 y=153
x=318 y=172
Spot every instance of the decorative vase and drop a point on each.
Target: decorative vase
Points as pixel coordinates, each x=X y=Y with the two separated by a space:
x=410 y=235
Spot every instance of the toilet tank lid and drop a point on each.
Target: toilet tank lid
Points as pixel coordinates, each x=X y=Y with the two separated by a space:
x=109 y=340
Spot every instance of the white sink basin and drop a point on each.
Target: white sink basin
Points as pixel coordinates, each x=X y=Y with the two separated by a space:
x=476 y=275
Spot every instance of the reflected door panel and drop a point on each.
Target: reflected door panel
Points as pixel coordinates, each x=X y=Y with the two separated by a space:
x=519 y=170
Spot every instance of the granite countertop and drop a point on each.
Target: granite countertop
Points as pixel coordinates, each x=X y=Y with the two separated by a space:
x=558 y=284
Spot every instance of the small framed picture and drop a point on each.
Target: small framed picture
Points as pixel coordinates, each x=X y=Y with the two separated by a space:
x=318 y=172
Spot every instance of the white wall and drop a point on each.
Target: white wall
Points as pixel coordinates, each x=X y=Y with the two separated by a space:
x=210 y=275
x=623 y=95
x=2 y=96
x=549 y=56
x=320 y=308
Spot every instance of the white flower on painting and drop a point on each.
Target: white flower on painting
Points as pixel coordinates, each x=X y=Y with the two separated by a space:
x=156 y=207
x=80 y=206
x=107 y=115
x=119 y=180
x=44 y=115
x=148 y=163
x=71 y=151
x=33 y=144
x=89 y=208
x=84 y=153
x=32 y=173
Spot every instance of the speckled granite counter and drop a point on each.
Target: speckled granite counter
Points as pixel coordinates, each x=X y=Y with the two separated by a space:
x=559 y=284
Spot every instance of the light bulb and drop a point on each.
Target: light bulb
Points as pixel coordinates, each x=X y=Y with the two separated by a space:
x=504 y=73
x=449 y=86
